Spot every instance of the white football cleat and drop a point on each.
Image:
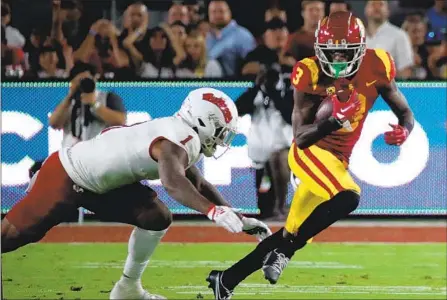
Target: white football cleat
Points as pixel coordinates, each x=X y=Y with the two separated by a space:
x=129 y=289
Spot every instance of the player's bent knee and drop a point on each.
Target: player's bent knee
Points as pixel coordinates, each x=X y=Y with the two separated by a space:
x=348 y=199
x=157 y=219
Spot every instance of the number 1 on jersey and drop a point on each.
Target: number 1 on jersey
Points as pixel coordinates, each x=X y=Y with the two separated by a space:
x=186 y=140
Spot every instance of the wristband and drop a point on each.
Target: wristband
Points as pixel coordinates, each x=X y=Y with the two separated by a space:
x=92 y=32
x=210 y=212
x=329 y=125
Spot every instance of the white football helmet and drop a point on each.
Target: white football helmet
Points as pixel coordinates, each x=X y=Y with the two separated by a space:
x=213 y=115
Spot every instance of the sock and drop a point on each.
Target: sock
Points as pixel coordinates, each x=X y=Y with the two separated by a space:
x=253 y=261
x=322 y=217
x=142 y=244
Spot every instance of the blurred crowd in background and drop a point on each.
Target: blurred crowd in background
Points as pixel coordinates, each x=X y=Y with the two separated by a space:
x=129 y=40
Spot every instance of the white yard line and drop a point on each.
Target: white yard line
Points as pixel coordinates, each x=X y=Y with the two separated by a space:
x=218 y=264
x=266 y=289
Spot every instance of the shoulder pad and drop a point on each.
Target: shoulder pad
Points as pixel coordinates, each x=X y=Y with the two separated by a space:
x=305 y=75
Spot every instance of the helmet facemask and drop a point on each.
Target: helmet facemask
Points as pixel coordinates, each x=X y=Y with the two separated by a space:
x=222 y=136
x=353 y=54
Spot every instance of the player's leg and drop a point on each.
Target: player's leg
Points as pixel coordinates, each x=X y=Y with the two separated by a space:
x=47 y=204
x=231 y=277
x=137 y=205
x=330 y=195
x=317 y=204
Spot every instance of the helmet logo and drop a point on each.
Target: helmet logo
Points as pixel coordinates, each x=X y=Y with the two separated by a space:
x=219 y=102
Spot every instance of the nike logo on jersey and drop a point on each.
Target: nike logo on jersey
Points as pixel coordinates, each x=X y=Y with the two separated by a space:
x=343 y=110
x=368 y=84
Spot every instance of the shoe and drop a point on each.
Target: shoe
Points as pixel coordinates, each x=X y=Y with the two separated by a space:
x=219 y=290
x=274 y=264
x=131 y=289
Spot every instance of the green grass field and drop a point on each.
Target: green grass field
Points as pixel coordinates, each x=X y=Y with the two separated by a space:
x=178 y=271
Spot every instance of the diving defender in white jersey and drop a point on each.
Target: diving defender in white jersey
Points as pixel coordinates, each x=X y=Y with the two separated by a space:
x=103 y=175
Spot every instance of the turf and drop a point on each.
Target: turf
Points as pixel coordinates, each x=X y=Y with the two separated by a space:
x=178 y=271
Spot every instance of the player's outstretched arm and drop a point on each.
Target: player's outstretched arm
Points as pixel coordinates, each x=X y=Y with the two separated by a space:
x=172 y=161
x=399 y=105
x=204 y=187
x=306 y=132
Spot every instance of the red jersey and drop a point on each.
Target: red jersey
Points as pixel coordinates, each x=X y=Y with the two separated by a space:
x=376 y=68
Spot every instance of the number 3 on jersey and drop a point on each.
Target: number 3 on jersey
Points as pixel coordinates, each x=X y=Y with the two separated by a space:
x=297 y=77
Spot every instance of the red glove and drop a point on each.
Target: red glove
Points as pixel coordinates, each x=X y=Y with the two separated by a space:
x=397 y=136
x=345 y=111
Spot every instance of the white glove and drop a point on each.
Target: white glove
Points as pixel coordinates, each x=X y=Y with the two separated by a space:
x=225 y=216
x=255 y=227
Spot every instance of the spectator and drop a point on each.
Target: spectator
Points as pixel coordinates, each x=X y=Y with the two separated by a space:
x=179 y=31
x=162 y=55
x=85 y=111
x=196 y=63
x=270 y=105
x=203 y=27
x=275 y=12
x=13 y=36
x=194 y=11
x=71 y=13
x=269 y=53
x=416 y=29
x=227 y=42
x=101 y=49
x=437 y=61
x=382 y=34
x=10 y=59
x=339 y=5
x=136 y=20
x=48 y=64
x=31 y=48
x=301 y=43
x=178 y=12
x=437 y=16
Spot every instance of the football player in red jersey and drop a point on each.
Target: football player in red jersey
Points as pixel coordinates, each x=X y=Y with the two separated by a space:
x=352 y=77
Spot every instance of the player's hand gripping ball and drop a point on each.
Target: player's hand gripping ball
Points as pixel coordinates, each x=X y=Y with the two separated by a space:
x=343 y=105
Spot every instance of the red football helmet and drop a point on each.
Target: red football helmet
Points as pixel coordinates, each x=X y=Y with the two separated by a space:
x=340 y=44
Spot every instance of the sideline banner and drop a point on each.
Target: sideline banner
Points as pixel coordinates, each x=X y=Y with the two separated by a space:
x=406 y=181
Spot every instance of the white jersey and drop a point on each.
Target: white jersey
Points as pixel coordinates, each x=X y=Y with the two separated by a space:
x=121 y=155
